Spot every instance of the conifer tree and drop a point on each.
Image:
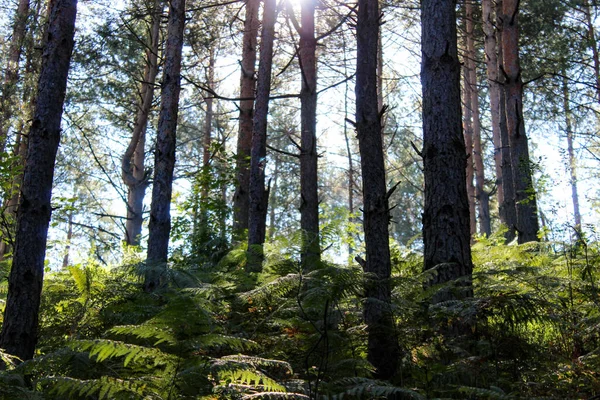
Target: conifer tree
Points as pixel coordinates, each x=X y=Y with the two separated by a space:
x=19 y=330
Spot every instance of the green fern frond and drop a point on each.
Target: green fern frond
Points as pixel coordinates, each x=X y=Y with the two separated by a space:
x=365 y=388
x=104 y=349
x=104 y=387
x=231 y=342
x=277 y=288
x=494 y=393
x=161 y=334
x=276 y=396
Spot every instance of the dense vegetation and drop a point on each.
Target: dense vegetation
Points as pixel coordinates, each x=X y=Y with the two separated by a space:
x=262 y=200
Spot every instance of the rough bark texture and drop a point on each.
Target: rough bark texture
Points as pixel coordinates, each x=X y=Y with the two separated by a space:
x=481 y=196
x=164 y=160
x=468 y=135
x=525 y=197
x=309 y=196
x=446 y=215
x=241 y=199
x=382 y=347
x=133 y=169
x=259 y=196
x=19 y=331
x=11 y=76
x=571 y=154
x=491 y=62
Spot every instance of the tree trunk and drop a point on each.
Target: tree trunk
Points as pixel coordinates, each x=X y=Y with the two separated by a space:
x=571 y=154
x=259 y=196
x=508 y=207
x=482 y=197
x=309 y=195
x=19 y=331
x=446 y=214
x=241 y=199
x=525 y=197
x=593 y=44
x=468 y=135
x=65 y=262
x=133 y=169
x=382 y=347
x=11 y=77
x=207 y=139
x=491 y=61
x=164 y=160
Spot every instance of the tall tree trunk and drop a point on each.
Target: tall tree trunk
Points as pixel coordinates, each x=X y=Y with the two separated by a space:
x=259 y=196
x=208 y=122
x=508 y=208
x=164 y=160
x=241 y=199
x=133 y=169
x=19 y=331
x=11 y=77
x=468 y=135
x=482 y=197
x=382 y=347
x=525 y=197
x=571 y=153
x=309 y=188
x=446 y=215
x=491 y=62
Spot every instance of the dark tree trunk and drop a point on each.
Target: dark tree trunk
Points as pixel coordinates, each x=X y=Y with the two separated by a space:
x=19 y=331
x=309 y=196
x=259 y=196
x=164 y=160
x=382 y=347
x=525 y=197
x=508 y=208
x=241 y=199
x=482 y=197
x=133 y=169
x=446 y=215
x=11 y=77
x=571 y=154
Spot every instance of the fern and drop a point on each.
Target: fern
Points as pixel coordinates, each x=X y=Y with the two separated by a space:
x=104 y=387
x=364 y=388
x=103 y=349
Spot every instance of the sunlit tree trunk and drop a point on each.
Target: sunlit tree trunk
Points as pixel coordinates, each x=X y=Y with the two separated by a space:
x=525 y=197
x=468 y=135
x=482 y=197
x=309 y=195
x=241 y=199
x=259 y=196
x=19 y=330
x=208 y=122
x=65 y=262
x=382 y=346
x=446 y=233
x=164 y=159
x=133 y=170
x=11 y=77
x=571 y=154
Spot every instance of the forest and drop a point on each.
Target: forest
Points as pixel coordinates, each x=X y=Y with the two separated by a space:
x=310 y=199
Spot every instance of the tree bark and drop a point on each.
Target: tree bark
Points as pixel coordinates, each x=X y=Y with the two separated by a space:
x=571 y=154
x=259 y=196
x=309 y=195
x=19 y=331
x=164 y=159
x=382 y=347
x=11 y=77
x=482 y=197
x=508 y=208
x=207 y=139
x=133 y=169
x=65 y=262
x=525 y=197
x=468 y=135
x=446 y=214
x=241 y=199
